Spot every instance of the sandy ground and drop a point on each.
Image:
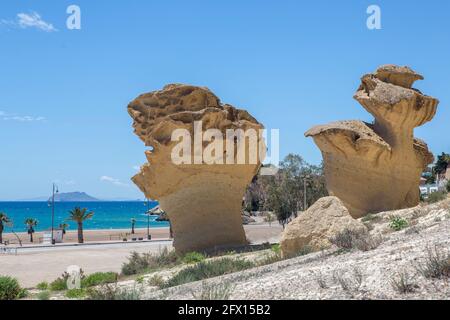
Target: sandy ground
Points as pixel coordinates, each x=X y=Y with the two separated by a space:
x=36 y=263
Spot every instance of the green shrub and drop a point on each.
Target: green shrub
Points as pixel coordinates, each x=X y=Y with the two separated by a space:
x=42 y=286
x=270 y=258
x=448 y=186
x=398 y=223
x=138 y=263
x=43 y=295
x=276 y=248
x=156 y=281
x=437 y=196
x=403 y=283
x=59 y=284
x=193 y=257
x=113 y=292
x=208 y=269
x=140 y=279
x=10 y=289
x=75 y=293
x=349 y=239
x=436 y=264
x=344 y=239
x=98 y=278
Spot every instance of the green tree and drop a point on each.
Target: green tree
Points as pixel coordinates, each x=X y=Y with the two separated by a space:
x=79 y=215
x=286 y=189
x=278 y=200
x=31 y=223
x=448 y=186
x=4 y=221
x=442 y=163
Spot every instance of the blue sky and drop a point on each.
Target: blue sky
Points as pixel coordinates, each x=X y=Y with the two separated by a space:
x=292 y=64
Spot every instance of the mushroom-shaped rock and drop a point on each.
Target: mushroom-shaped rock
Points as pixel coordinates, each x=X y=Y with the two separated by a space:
x=377 y=167
x=197 y=169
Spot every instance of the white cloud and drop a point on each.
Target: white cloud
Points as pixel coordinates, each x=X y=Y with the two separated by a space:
x=29 y=20
x=13 y=117
x=137 y=168
x=34 y=20
x=114 y=181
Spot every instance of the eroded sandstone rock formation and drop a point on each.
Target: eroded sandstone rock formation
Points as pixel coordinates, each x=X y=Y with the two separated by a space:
x=314 y=228
x=203 y=201
x=377 y=167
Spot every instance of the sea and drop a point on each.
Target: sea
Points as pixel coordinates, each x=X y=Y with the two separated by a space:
x=107 y=215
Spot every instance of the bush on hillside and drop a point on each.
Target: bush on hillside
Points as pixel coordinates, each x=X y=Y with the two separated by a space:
x=208 y=269
x=10 y=289
x=98 y=278
x=398 y=223
x=436 y=264
x=76 y=294
x=193 y=257
x=42 y=285
x=349 y=239
x=113 y=292
x=437 y=196
x=138 y=263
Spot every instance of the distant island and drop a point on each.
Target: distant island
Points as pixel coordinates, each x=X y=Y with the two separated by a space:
x=73 y=197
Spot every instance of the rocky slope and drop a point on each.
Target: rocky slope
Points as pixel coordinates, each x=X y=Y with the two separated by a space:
x=354 y=274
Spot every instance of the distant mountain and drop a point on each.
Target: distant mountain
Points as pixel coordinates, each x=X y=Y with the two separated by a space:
x=73 y=197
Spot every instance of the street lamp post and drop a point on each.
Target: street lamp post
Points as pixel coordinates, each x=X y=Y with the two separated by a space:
x=148 y=221
x=55 y=190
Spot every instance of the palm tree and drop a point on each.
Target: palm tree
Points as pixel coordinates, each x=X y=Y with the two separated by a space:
x=79 y=215
x=133 y=223
x=4 y=221
x=31 y=223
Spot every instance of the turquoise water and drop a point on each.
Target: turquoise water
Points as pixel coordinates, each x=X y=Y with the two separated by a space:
x=107 y=215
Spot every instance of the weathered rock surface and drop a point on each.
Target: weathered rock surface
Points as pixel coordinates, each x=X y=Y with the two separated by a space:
x=203 y=200
x=377 y=167
x=314 y=227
